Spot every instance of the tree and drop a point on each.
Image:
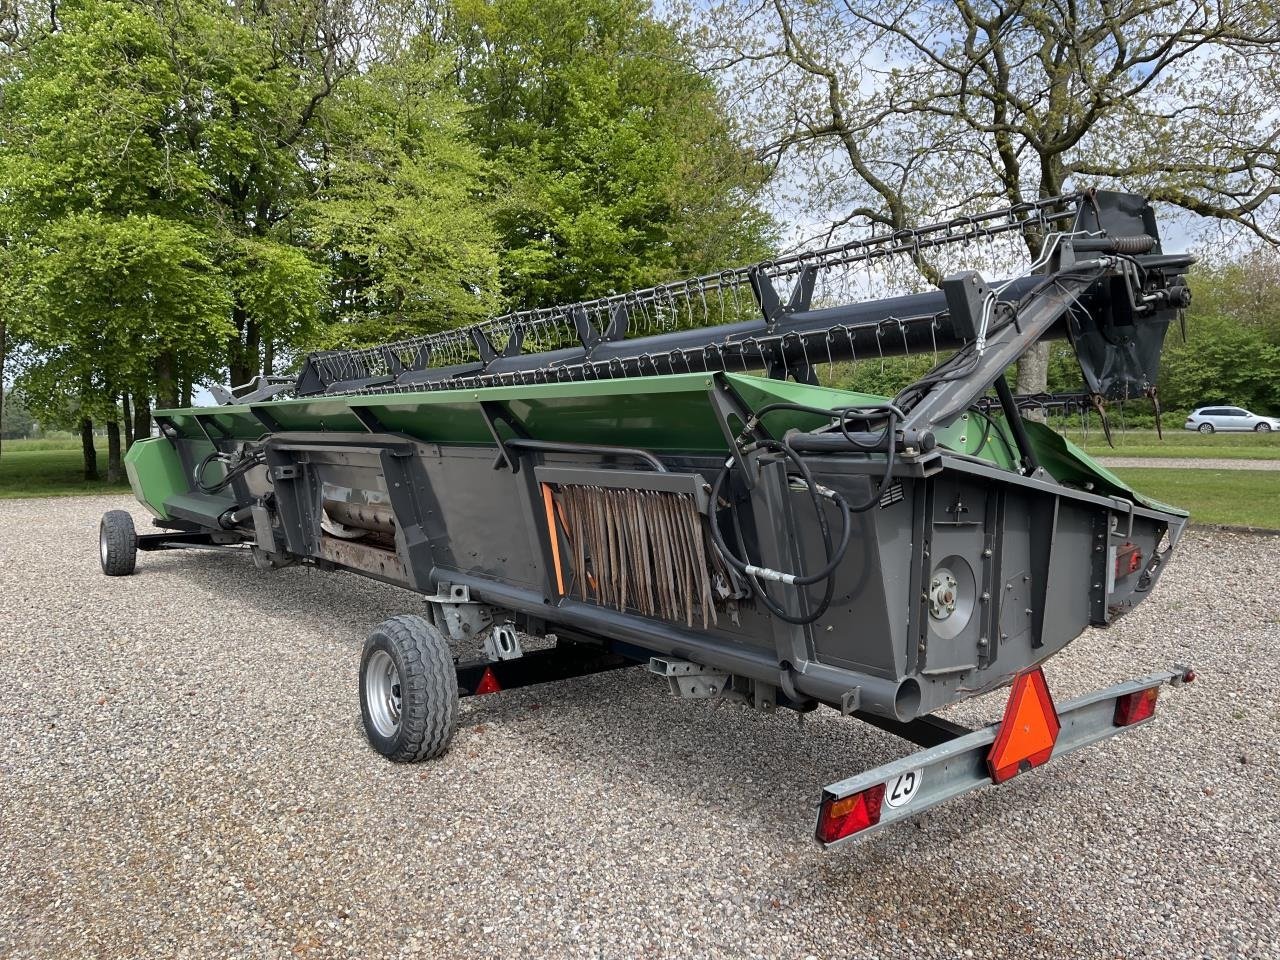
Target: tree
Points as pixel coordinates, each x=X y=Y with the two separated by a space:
x=620 y=164
x=16 y=419
x=157 y=137
x=1245 y=289
x=1222 y=361
x=254 y=82
x=904 y=110
x=403 y=217
x=104 y=301
x=89 y=191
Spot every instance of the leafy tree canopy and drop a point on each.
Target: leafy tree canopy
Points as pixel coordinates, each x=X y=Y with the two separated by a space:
x=622 y=167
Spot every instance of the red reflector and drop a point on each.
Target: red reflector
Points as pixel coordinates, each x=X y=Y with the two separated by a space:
x=844 y=817
x=1028 y=731
x=488 y=683
x=1135 y=707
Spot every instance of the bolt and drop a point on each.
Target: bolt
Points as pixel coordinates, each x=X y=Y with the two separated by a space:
x=986 y=552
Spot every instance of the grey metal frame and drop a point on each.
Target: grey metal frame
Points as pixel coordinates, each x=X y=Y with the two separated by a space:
x=959 y=765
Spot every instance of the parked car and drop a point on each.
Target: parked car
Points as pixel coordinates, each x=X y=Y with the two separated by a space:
x=1209 y=419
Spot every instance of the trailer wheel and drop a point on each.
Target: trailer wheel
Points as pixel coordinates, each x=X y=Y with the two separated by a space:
x=117 y=543
x=408 y=690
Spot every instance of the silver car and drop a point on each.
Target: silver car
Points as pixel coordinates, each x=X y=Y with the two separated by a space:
x=1209 y=419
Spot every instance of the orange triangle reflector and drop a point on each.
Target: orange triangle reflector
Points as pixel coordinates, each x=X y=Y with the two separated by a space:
x=1028 y=731
x=488 y=683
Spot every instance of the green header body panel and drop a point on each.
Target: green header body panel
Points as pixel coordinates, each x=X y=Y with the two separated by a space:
x=665 y=414
x=155 y=474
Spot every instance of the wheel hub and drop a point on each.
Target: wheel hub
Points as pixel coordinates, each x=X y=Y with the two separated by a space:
x=942 y=594
x=382 y=693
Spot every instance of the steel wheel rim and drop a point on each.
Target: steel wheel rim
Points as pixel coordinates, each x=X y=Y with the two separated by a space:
x=382 y=693
x=102 y=543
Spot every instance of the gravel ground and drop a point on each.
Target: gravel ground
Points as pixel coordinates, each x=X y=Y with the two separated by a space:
x=1189 y=463
x=183 y=773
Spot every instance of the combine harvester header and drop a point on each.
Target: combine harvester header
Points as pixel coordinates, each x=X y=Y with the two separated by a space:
x=618 y=473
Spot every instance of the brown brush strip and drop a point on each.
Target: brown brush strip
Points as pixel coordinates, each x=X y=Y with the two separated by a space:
x=639 y=550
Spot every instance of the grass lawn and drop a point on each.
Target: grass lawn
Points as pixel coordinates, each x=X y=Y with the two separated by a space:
x=1179 y=443
x=1248 y=498
x=49 y=468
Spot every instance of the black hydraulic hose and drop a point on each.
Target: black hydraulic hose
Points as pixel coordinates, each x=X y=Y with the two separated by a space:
x=992 y=427
x=752 y=572
x=763 y=595
x=816 y=494
x=232 y=473
x=872 y=441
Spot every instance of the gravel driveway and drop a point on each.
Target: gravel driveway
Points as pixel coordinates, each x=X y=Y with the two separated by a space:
x=183 y=773
x=1189 y=463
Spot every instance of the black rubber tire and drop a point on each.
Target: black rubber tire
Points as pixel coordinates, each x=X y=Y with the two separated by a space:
x=1262 y=428
x=117 y=544
x=1205 y=428
x=428 y=689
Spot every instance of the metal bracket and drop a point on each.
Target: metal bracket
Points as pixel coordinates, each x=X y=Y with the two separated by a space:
x=456 y=615
x=495 y=413
x=503 y=643
x=688 y=680
x=725 y=402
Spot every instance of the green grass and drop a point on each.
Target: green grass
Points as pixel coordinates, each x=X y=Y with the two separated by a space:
x=41 y=468
x=1179 y=443
x=1248 y=498
x=61 y=441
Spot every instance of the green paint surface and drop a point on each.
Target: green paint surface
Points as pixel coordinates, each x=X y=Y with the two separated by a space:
x=665 y=414
x=155 y=474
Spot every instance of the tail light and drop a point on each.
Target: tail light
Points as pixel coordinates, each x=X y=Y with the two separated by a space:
x=844 y=817
x=1135 y=707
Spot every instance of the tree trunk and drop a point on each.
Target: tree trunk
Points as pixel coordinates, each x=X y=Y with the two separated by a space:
x=269 y=357
x=184 y=394
x=127 y=416
x=166 y=380
x=115 y=469
x=141 y=418
x=89 y=451
x=1033 y=375
x=238 y=354
x=1033 y=368
x=252 y=352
